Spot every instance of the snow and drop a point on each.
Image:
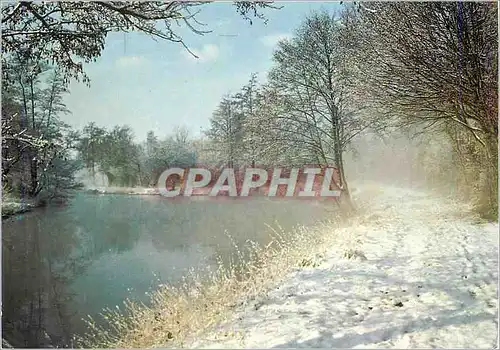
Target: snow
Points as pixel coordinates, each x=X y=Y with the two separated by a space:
x=123 y=190
x=429 y=280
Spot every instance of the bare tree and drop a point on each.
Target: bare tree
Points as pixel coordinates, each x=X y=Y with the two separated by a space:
x=246 y=101
x=312 y=81
x=434 y=63
x=226 y=131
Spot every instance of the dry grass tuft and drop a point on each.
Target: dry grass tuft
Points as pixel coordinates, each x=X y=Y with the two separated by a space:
x=351 y=254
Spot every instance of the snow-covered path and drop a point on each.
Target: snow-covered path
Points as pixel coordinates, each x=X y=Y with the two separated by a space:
x=429 y=280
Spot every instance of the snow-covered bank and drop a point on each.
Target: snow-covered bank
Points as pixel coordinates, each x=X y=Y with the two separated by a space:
x=145 y=191
x=429 y=280
x=15 y=207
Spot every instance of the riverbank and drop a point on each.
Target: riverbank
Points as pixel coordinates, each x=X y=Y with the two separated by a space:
x=11 y=207
x=145 y=191
x=416 y=271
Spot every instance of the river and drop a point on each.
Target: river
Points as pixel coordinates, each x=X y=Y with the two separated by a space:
x=62 y=264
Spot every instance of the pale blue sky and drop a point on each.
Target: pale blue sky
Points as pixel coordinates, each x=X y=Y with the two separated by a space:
x=156 y=86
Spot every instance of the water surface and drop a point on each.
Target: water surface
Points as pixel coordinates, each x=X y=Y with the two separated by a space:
x=62 y=264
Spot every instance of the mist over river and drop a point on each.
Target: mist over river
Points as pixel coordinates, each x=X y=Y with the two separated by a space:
x=62 y=264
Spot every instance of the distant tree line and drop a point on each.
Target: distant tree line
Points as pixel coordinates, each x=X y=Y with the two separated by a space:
x=124 y=162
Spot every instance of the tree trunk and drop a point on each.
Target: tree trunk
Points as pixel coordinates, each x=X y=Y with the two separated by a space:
x=492 y=173
x=345 y=196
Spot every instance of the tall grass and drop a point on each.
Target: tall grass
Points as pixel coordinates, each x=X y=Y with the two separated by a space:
x=178 y=314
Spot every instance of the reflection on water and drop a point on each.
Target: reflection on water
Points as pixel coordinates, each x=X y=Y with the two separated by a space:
x=61 y=264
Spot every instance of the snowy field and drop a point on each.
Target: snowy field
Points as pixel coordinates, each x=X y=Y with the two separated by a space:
x=426 y=277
